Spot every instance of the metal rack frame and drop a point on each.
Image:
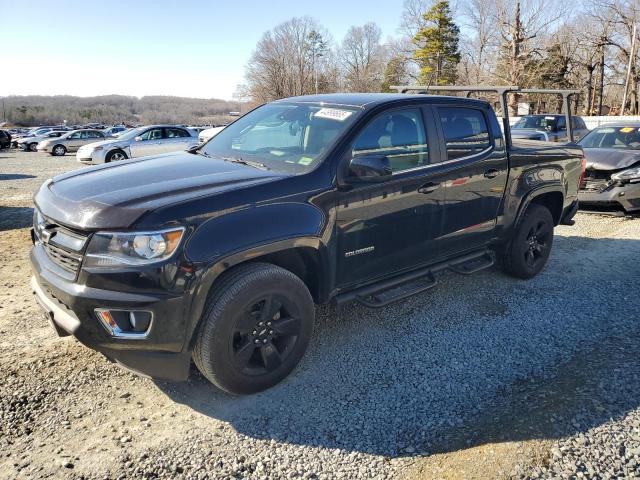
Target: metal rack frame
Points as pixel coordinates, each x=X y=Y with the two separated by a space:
x=503 y=92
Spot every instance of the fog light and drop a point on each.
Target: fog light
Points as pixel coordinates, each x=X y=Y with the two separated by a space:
x=125 y=323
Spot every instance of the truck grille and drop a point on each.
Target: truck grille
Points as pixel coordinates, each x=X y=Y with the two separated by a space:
x=595 y=180
x=62 y=245
x=66 y=260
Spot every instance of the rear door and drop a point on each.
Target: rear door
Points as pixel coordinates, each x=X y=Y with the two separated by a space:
x=176 y=139
x=475 y=171
x=91 y=136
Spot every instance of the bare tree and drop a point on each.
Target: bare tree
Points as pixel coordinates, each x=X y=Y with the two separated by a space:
x=479 y=43
x=363 y=58
x=283 y=63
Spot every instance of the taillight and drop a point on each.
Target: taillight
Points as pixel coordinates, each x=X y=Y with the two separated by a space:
x=583 y=167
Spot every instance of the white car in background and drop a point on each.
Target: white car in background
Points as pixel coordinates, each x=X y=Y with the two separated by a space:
x=139 y=142
x=207 y=134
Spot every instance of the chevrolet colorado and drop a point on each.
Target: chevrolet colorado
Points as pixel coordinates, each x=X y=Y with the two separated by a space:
x=218 y=254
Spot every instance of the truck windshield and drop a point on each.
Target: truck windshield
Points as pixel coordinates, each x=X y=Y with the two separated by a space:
x=612 y=137
x=549 y=123
x=285 y=137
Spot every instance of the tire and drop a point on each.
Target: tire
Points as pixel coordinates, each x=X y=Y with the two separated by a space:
x=58 y=150
x=255 y=328
x=531 y=244
x=115 y=156
x=33 y=147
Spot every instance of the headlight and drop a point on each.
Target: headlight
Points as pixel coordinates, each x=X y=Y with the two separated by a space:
x=132 y=248
x=95 y=149
x=632 y=174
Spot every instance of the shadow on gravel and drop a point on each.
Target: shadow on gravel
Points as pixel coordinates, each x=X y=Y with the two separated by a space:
x=477 y=360
x=15 y=217
x=14 y=176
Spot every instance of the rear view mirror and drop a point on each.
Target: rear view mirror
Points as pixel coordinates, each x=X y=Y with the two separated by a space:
x=369 y=168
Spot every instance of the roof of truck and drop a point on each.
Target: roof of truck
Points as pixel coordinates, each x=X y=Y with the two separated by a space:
x=365 y=100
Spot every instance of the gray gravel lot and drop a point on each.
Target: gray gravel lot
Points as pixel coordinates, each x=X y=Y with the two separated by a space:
x=379 y=394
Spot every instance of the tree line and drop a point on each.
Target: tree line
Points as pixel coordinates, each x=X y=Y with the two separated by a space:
x=588 y=46
x=113 y=109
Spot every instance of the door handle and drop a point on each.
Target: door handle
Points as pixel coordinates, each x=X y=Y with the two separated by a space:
x=493 y=173
x=429 y=188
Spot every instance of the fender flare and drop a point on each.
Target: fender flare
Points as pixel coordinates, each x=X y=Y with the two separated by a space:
x=206 y=279
x=536 y=192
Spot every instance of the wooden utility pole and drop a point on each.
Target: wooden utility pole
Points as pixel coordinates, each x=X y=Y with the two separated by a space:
x=632 y=55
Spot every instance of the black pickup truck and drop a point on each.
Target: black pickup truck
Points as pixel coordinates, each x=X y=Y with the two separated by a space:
x=219 y=254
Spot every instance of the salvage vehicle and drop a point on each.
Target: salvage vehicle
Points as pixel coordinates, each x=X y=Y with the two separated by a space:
x=70 y=142
x=138 y=142
x=547 y=127
x=219 y=254
x=612 y=177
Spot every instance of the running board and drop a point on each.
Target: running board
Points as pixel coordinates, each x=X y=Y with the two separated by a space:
x=383 y=293
x=473 y=266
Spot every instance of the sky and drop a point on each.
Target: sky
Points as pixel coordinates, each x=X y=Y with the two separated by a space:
x=186 y=48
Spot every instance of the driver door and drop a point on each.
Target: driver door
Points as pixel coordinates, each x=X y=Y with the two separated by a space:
x=392 y=226
x=149 y=143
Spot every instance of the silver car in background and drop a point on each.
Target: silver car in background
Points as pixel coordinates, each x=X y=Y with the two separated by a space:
x=70 y=142
x=548 y=128
x=30 y=143
x=139 y=142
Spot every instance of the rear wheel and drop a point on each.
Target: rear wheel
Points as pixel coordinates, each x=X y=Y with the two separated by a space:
x=530 y=247
x=115 y=156
x=255 y=328
x=58 y=151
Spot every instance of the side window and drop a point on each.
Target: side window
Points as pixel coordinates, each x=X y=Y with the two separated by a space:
x=153 y=134
x=85 y=135
x=465 y=131
x=98 y=134
x=398 y=134
x=562 y=122
x=177 y=133
x=75 y=135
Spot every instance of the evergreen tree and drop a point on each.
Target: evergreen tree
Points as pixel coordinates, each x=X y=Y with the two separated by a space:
x=394 y=73
x=436 y=44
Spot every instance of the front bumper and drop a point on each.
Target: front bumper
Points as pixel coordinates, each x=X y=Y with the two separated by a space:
x=625 y=197
x=45 y=148
x=70 y=308
x=90 y=156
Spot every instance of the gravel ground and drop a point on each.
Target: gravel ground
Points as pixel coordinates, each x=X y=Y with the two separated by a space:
x=482 y=377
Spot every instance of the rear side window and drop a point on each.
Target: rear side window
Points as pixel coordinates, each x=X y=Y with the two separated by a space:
x=177 y=133
x=465 y=131
x=398 y=134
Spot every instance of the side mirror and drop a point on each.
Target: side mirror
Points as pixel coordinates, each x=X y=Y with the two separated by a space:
x=138 y=139
x=369 y=168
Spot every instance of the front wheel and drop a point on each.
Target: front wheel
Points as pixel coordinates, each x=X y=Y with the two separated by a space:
x=530 y=246
x=255 y=328
x=58 y=151
x=115 y=156
x=33 y=147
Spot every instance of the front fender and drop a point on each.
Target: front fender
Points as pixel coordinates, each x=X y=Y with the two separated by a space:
x=244 y=229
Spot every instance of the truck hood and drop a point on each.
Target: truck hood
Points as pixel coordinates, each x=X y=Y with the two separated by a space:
x=610 y=158
x=115 y=195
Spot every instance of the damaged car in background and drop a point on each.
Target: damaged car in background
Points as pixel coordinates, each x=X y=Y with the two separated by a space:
x=612 y=177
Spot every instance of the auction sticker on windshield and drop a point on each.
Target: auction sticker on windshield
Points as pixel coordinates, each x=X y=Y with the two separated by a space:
x=333 y=114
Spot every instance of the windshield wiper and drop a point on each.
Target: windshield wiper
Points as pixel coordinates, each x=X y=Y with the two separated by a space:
x=250 y=163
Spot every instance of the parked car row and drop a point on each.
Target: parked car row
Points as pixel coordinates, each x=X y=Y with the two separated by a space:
x=93 y=145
